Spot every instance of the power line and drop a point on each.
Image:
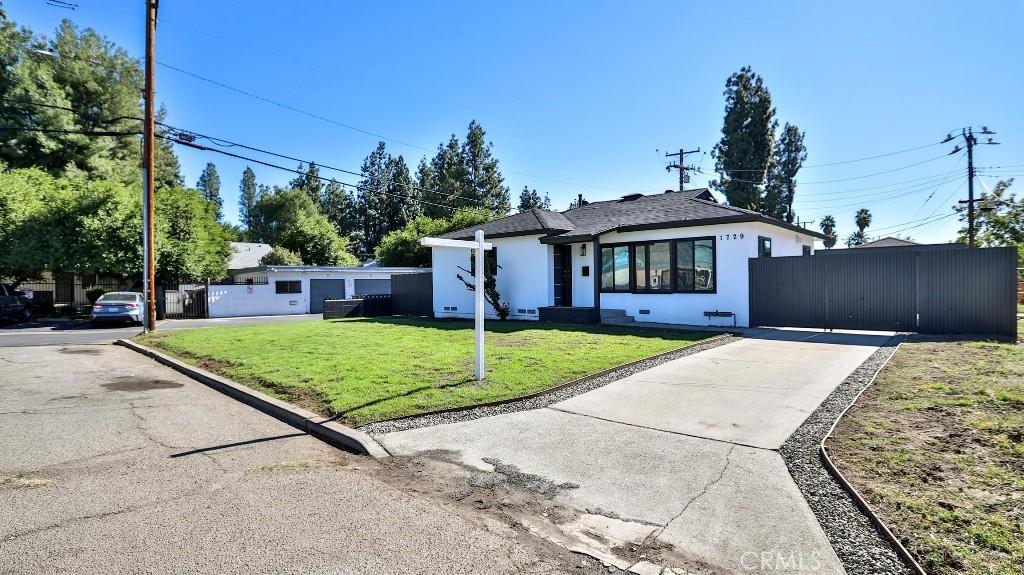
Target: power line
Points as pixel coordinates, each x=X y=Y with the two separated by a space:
x=861 y=177
x=882 y=190
x=301 y=173
x=75 y=132
x=864 y=159
x=823 y=209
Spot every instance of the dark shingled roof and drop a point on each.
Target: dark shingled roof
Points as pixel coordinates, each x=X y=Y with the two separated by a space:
x=629 y=213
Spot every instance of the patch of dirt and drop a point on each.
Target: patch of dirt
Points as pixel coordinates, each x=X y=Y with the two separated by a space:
x=22 y=481
x=80 y=350
x=131 y=383
x=299 y=464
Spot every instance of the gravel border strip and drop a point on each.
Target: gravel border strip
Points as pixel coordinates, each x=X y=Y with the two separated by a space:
x=546 y=397
x=861 y=547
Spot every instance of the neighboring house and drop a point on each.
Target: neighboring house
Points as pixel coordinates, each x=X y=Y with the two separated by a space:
x=247 y=255
x=888 y=242
x=282 y=290
x=665 y=258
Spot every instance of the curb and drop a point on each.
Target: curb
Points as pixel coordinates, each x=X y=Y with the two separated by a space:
x=858 y=500
x=320 y=427
x=560 y=386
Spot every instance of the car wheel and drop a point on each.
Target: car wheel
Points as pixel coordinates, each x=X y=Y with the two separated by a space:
x=26 y=314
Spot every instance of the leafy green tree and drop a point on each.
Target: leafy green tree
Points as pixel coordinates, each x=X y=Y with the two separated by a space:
x=788 y=155
x=402 y=247
x=999 y=220
x=529 y=199
x=85 y=226
x=828 y=227
x=485 y=186
x=209 y=186
x=281 y=257
x=247 y=194
x=288 y=218
x=743 y=155
x=88 y=84
x=857 y=238
x=190 y=243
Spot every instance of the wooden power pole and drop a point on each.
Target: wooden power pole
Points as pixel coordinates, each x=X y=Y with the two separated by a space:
x=683 y=168
x=148 y=166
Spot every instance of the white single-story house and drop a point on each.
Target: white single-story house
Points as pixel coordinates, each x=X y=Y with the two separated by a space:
x=666 y=258
x=283 y=290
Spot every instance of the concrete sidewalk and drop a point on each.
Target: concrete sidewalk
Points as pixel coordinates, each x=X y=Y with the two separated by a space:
x=686 y=449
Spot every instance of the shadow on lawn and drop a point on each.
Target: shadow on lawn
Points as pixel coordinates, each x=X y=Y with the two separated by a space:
x=354 y=408
x=513 y=326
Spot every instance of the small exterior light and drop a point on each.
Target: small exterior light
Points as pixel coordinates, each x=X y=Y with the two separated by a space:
x=583 y=249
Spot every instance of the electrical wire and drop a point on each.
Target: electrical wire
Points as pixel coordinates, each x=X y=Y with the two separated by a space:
x=76 y=132
x=301 y=173
x=861 y=177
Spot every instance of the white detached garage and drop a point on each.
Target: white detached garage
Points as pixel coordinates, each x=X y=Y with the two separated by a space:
x=284 y=290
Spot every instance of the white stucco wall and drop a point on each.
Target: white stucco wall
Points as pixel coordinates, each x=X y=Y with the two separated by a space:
x=734 y=245
x=525 y=275
x=243 y=300
x=583 y=287
x=524 y=278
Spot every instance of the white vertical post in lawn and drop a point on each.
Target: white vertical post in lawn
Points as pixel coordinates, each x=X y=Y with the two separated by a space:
x=478 y=290
x=479 y=311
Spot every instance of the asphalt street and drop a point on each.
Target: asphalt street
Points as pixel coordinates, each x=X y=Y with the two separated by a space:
x=112 y=463
x=79 y=332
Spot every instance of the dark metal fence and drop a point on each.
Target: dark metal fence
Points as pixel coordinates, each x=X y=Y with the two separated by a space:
x=413 y=294
x=953 y=291
x=70 y=294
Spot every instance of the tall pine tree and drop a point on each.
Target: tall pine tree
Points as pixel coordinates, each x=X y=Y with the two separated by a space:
x=485 y=185
x=788 y=156
x=373 y=205
x=339 y=207
x=743 y=155
x=448 y=175
x=247 y=196
x=209 y=186
x=529 y=199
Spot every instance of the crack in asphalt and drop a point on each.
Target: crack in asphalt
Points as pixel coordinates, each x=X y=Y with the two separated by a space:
x=728 y=460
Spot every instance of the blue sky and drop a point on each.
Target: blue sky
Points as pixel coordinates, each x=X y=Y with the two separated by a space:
x=586 y=97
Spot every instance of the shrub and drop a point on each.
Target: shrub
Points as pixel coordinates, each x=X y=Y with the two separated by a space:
x=93 y=293
x=281 y=257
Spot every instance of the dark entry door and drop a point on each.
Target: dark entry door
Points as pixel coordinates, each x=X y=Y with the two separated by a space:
x=563 y=275
x=319 y=290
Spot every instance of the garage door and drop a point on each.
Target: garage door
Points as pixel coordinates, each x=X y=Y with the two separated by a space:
x=367 y=287
x=319 y=290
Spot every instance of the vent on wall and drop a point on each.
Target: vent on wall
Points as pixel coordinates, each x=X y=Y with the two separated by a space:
x=525 y=311
x=451 y=308
x=645 y=312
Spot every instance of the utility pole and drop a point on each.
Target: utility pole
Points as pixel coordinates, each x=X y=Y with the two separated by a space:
x=679 y=165
x=148 y=166
x=970 y=141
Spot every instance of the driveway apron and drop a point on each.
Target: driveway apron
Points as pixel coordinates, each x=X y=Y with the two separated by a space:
x=688 y=447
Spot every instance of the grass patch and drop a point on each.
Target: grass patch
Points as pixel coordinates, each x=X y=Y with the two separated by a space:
x=936 y=446
x=372 y=369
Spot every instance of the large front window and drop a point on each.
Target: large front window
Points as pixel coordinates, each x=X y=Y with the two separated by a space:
x=615 y=268
x=684 y=265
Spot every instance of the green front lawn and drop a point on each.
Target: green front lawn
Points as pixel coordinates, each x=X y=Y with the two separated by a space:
x=372 y=369
x=936 y=446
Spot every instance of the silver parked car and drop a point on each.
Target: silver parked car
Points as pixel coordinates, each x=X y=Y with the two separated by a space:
x=118 y=306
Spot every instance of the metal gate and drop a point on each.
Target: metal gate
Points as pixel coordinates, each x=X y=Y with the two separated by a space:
x=901 y=289
x=182 y=300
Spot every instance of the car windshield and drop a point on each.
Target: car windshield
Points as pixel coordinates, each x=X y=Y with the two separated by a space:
x=117 y=297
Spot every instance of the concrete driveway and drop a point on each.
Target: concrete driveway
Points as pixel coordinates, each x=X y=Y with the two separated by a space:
x=687 y=449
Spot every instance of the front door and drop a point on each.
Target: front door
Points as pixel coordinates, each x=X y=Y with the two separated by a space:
x=563 y=275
